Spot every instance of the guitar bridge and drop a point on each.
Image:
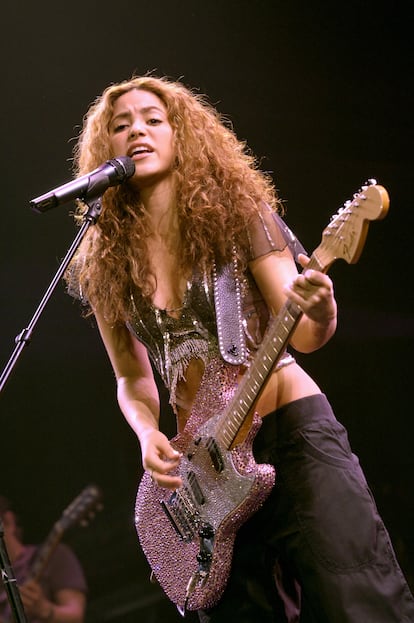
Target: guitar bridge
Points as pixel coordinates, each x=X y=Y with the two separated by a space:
x=182 y=514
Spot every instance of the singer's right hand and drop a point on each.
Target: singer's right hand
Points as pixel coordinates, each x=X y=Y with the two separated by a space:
x=159 y=458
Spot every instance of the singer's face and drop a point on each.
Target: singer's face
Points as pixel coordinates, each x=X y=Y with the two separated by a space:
x=140 y=129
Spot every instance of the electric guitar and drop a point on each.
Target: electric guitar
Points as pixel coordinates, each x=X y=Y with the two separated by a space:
x=188 y=535
x=81 y=510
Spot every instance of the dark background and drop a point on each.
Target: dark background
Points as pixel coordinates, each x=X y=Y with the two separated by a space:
x=323 y=92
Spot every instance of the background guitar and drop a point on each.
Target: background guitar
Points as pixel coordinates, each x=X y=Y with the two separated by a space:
x=80 y=511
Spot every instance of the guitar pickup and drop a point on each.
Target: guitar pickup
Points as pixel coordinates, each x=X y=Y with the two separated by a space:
x=195 y=488
x=215 y=455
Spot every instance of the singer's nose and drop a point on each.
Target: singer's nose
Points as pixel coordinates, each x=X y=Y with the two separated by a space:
x=137 y=129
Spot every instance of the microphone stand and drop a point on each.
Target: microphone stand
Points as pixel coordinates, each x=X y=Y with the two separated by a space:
x=9 y=581
x=22 y=339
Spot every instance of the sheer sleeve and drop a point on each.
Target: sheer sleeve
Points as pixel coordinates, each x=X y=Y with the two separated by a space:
x=72 y=279
x=269 y=233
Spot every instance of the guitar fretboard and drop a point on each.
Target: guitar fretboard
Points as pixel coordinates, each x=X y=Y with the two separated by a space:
x=269 y=352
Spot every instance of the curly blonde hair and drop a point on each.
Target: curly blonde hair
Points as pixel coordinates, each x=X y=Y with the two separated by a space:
x=219 y=187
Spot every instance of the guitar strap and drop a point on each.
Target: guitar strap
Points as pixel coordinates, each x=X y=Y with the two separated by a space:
x=229 y=318
x=228 y=301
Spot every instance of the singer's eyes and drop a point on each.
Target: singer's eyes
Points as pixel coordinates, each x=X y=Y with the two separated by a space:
x=120 y=127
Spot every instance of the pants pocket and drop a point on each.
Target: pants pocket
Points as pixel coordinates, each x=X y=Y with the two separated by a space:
x=333 y=504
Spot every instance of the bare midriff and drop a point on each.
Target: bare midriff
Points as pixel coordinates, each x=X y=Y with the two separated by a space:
x=288 y=383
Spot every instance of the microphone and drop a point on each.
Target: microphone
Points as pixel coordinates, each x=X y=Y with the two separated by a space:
x=89 y=186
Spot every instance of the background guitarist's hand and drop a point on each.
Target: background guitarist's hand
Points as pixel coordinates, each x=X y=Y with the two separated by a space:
x=159 y=458
x=34 y=601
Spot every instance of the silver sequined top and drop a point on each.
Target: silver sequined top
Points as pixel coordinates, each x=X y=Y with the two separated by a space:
x=173 y=342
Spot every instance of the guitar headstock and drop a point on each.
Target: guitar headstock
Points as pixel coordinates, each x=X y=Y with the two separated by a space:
x=82 y=509
x=345 y=236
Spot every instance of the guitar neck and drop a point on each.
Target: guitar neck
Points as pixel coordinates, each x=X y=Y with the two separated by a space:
x=43 y=554
x=268 y=354
x=81 y=509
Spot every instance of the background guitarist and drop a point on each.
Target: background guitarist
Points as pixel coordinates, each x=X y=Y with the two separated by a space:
x=198 y=199
x=59 y=596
